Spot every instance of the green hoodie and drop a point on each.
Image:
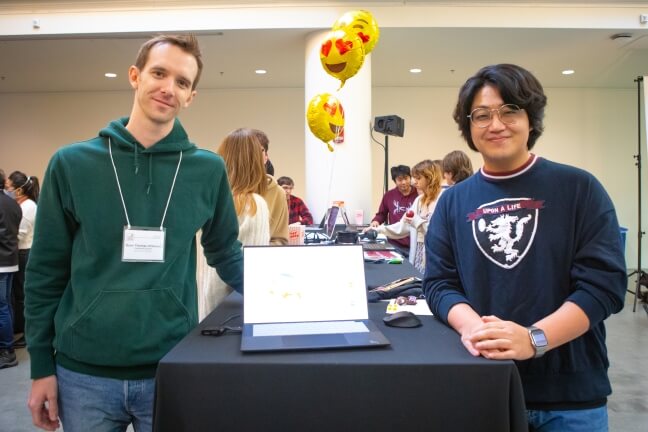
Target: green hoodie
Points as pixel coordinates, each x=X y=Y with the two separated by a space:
x=87 y=310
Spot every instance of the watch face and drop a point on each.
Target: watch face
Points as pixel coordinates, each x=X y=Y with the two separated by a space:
x=539 y=338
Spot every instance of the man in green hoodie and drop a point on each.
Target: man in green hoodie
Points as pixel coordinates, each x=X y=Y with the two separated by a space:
x=111 y=284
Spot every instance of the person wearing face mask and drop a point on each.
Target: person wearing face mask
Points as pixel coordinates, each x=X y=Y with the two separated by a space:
x=10 y=216
x=25 y=190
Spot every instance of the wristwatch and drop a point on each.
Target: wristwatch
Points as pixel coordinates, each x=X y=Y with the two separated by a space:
x=538 y=341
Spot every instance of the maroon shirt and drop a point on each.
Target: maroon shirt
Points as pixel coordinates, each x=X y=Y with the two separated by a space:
x=392 y=207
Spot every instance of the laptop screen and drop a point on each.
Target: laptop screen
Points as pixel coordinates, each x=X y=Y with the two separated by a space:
x=304 y=283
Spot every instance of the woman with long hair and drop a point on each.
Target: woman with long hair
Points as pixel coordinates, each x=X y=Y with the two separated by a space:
x=427 y=176
x=241 y=152
x=25 y=190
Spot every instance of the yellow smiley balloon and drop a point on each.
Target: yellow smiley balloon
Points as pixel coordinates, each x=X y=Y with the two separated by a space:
x=325 y=117
x=342 y=54
x=362 y=23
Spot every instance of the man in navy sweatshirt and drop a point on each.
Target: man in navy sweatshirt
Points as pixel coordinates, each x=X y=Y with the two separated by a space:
x=524 y=258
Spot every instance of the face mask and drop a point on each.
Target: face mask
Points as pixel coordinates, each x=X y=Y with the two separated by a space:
x=10 y=194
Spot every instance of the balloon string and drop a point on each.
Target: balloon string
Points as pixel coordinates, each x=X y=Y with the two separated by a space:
x=330 y=185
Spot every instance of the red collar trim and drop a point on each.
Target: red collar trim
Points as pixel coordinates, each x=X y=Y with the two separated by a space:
x=514 y=173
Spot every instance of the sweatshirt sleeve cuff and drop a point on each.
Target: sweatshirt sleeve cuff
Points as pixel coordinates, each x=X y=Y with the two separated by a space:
x=42 y=362
x=447 y=302
x=593 y=309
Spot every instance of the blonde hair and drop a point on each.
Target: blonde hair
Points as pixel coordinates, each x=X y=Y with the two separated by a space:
x=246 y=172
x=433 y=174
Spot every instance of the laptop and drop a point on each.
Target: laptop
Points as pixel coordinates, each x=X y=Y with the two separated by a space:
x=306 y=297
x=328 y=223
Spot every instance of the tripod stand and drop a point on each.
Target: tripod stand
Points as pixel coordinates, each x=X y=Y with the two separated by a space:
x=642 y=277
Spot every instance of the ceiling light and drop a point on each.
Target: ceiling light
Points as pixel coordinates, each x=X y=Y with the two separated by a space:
x=260 y=71
x=568 y=72
x=416 y=70
x=110 y=75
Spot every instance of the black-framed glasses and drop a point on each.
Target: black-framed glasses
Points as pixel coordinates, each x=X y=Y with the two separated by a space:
x=508 y=114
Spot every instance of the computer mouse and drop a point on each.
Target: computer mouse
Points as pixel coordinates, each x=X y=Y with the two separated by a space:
x=402 y=319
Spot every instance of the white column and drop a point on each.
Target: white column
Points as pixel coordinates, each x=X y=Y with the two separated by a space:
x=345 y=173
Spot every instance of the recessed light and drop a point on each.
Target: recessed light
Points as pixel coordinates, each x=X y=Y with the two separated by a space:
x=568 y=72
x=260 y=71
x=415 y=70
x=110 y=75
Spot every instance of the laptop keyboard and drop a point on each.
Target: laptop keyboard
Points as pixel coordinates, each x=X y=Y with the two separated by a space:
x=309 y=328
x=377 y=246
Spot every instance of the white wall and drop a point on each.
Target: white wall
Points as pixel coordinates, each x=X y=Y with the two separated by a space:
x=594 y=129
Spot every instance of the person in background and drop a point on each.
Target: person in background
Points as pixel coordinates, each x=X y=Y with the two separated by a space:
x=25 y=189
x=524 y=258
x=414 y=223
x=265 y=144
x=10 y=216
x=395 y=203
x=274 y=197
x=100 y=311
x=456 y=167
x=297 y=210
x=248 y=180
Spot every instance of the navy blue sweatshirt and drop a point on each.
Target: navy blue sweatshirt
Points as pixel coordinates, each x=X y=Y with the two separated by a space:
x=518 y=247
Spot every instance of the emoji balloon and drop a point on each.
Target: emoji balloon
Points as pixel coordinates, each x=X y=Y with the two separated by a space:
x=342 y=54
x=325 y=117
x=362 y=23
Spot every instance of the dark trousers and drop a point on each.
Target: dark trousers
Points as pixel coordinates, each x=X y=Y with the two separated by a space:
x=18 y=292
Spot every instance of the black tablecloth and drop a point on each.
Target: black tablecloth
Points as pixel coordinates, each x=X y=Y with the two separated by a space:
x=425 y=380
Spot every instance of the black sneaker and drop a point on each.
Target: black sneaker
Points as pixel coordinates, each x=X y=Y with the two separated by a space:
x=7 y=359
x=20 y=342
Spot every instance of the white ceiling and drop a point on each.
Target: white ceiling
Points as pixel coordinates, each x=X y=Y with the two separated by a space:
x=446 y=55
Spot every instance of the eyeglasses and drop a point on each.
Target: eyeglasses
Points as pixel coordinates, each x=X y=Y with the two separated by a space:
x=508 y=114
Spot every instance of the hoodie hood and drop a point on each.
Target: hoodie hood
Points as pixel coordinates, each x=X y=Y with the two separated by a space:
x=176 y=141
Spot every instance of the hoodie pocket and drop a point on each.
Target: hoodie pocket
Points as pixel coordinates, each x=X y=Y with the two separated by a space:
x=126 y=328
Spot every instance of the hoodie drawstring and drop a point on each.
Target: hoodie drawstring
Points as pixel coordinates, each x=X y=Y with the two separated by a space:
x=136 y=160
x=150 y=173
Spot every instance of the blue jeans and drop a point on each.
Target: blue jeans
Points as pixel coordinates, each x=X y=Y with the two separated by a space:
x=6 y=314
x=587 y=420
x=90 y=403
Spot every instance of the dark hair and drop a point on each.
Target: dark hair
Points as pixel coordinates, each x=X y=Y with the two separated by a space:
x=262 y=137
x=400 y=170
x=28 y=184
x=458 y=165
x=2 y=179
x=283 y=180
x=516 y=85
x=187 y=43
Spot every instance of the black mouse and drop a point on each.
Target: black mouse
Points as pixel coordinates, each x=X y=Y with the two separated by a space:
x=402 y=319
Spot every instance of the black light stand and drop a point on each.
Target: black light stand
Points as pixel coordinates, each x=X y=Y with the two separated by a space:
x=389 y=125
x=386 y=184
x=641 y=275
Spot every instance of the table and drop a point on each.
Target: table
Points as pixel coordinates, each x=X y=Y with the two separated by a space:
x=425 y=380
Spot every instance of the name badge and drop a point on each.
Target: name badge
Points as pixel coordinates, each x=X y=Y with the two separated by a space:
x=143 y=244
